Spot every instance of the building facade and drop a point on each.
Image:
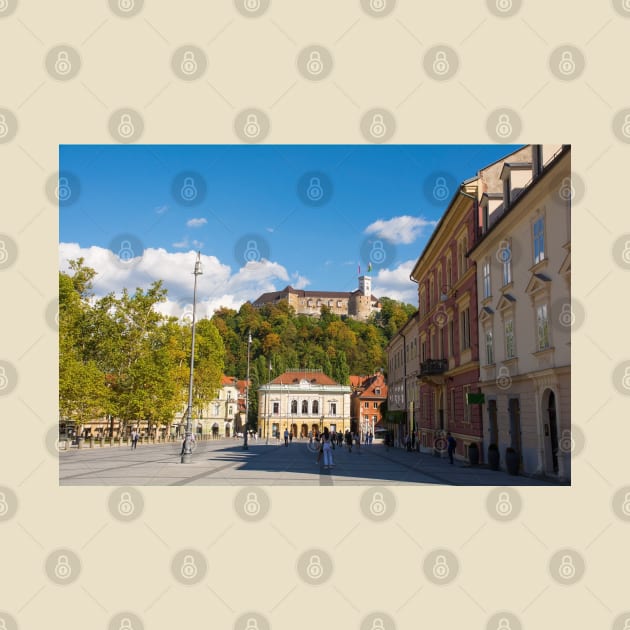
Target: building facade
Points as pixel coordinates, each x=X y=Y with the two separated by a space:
x=219 y=417
x=304 y=402
x=358 y=304
x=402 y=380
x=368 y=392
x=523 y=262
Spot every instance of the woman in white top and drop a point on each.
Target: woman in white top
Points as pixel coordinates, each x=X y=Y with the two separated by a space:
x=327 y=448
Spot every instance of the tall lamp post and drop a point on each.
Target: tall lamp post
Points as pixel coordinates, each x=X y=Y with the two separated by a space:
x=249 y=343
x=187 y=452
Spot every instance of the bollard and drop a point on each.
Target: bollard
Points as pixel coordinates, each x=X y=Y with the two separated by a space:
x=91 y=442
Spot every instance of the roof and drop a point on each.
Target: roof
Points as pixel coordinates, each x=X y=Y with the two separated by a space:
x=315 y=377
x=272 y=296
x=227 y=380
x=364 y=386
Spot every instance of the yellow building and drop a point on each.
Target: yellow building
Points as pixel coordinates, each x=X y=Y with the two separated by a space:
x=304 y=401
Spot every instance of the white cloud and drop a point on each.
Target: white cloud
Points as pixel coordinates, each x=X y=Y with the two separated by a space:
x=195 y=223
x=395 y=283
x=217 y=287
x=298 y=281
x=404 y=229
x=183 y=244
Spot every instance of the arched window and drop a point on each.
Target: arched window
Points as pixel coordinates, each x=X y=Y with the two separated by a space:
x=294 y=406
x=305 y=406
x=316 y=406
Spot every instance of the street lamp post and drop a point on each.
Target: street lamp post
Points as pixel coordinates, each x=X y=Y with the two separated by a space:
x=187 y=452
x=267 y=403
x=249 y=343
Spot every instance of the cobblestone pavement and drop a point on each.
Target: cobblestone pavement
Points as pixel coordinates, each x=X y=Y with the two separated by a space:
x=224 y=462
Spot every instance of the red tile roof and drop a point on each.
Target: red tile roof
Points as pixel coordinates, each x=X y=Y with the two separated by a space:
x=316 y=378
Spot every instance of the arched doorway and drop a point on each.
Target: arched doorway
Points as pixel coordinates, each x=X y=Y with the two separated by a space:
x=227 y=429
x=550 y=431
x=294 y=430
x=215 y=431
x=305 y=430
x=514 y=414
x=315 y=429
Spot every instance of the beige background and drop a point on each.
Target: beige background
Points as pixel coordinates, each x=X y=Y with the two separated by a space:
x=252 y=63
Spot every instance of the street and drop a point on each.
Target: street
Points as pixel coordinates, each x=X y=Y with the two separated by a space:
x=224 y=462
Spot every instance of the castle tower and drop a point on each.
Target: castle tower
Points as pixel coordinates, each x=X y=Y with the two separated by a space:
x=365 y=285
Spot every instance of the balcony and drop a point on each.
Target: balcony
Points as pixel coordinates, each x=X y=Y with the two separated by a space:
x=431 y=367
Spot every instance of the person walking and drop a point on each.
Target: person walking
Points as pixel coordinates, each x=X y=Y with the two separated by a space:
x=349 y=441
x=134 y=438
x=451 y=443
x=327 y=449
x=290 y=437
x=192 y=443
x=286 y=437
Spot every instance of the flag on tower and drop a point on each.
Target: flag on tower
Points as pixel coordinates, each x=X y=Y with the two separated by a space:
x=359 y=269
x=369 y=267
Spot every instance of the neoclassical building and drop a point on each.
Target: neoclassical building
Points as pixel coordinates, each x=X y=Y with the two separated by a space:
x=304 y=401
x=523 y=262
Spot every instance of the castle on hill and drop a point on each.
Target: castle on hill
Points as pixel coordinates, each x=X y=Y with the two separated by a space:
x=358 y=304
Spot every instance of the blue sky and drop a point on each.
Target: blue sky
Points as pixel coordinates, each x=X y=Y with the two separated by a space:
x=263 y=216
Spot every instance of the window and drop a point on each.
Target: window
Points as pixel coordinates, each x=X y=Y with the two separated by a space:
x=465 y=392
x=510 y=348
x=542 y=327
x=539 y=240
x=366 y=404
x=374 y=418
x=215 y=409
x=451 y=338
x=229 y=394
x=276 y=408
x=315 y=407
x=487 y=288
x=505 y=254
x=230 y=411
x=452 y=413
x=338 y=303
x=294 y=406
x=375 y=405
x=333 y=409
x=449 y=274
x=305 y=406
x=489 y=348
x=423 y=347
x=377 y=390
x=422 y=302
x=464 y=321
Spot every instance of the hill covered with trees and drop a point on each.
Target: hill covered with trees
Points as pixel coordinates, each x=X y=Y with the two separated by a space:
x=120 y=357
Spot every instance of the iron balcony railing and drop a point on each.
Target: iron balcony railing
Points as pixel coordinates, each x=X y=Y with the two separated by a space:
x=433 y=366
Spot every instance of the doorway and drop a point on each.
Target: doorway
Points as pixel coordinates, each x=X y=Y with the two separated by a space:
x=551 y=430
x=514 y=413
x=493 y=426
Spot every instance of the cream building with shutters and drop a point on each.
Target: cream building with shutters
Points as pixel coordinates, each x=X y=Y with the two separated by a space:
x=523 y=261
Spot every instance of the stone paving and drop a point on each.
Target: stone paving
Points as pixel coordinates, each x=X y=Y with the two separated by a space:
x=224 y=462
